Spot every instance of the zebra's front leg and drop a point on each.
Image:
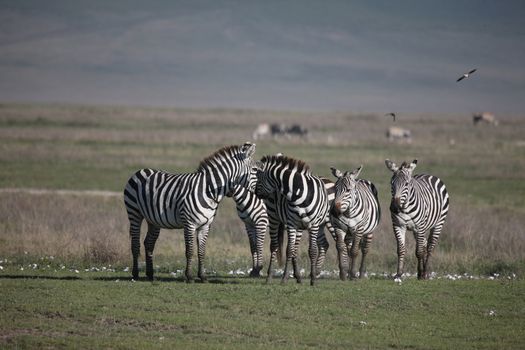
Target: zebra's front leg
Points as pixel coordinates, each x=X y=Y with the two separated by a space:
x=149 y=246
x=365 y=247
x=342 y=256
x=189 y=233
x=400 y=232
x=354 y=252
x=421 y=246
x=313 y=252
x=202 y=237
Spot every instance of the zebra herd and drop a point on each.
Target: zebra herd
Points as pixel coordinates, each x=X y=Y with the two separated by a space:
x=283 y=194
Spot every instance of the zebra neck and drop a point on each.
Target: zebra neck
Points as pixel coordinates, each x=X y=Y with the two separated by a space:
x=218 y=181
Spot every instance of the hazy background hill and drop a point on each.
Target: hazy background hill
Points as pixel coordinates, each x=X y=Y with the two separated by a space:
x=302 y=55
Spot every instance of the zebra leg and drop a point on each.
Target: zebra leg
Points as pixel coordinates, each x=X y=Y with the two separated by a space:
x=313 y=252
x=134 y=232
x=421 y=245
x=260 y=233
x=189 y=233
x=342 y=255
x=296 y=272
x=149 y=245
x=432 y=242
x=354 y=252
x=274 y=247
x=400 y=232
x=251 y=232
x=289 y=252
x=323 y=245
x=365 y=246
x=202 y=237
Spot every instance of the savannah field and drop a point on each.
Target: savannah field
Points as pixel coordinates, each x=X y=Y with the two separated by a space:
x=65 y=250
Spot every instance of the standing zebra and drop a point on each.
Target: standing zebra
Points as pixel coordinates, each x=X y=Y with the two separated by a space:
x=186 y=201
x=419 y=203
x=252 y=211
x=302 y=203
x=355 y=214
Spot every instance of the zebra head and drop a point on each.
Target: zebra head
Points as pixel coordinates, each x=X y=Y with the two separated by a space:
x=244 y=177
x=401 y=183
x=345 y=190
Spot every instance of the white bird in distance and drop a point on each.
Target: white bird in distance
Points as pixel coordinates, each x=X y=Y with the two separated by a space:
x=465 y=75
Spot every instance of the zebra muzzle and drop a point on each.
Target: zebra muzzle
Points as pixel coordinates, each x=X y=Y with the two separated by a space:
x=395 y=205
x=336 y=209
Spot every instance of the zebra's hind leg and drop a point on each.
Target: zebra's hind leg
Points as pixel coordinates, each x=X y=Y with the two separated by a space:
x=149 y=246
x=134 y=232
x=323 y=245
x=295 y=261
x=275 y=248
x=313 y=253
x=290 y=253
x=365 y=247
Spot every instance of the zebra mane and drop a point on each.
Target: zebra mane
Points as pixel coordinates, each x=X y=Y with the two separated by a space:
x=405 y=165
x=300 y=166
x=226 y=152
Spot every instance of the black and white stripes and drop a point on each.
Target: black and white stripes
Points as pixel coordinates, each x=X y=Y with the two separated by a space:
x=186 y=201
x=419 y=203
x=302 y=203
x=355 y=214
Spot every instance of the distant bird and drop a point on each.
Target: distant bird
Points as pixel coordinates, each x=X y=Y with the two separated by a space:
x=393 y=115
x=466 y=75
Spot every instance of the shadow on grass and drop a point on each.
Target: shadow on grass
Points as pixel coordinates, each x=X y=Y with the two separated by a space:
x=63 y=278
x=160 y=279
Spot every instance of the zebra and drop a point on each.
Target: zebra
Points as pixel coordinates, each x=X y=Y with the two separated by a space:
x=355 y=214
x=419 y=203
x=301 y=203
x=186 y=201
x=252 y=211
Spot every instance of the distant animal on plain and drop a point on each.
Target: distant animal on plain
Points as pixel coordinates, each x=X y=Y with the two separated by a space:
x=393 y=115
x=278 y=130
x=485 y=117
x=395 y=133
x=465 y=75
x=261 y=131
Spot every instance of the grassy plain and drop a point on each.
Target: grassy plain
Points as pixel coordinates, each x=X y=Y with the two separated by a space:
x=86 y=148
x=107 y=310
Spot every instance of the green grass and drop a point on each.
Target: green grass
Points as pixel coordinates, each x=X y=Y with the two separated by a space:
x=98 y=148
x=106 y=310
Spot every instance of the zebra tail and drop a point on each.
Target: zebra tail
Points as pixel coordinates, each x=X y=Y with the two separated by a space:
x=280 y=240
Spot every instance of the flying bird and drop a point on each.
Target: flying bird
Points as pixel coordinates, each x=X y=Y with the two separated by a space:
x=466 y=75
x=393 y=115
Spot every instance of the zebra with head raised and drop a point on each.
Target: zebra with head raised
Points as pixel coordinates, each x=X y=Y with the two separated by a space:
x=355 y=214
x=186 y=201
x=252 y=211
x=301 y=203
x=419 y=203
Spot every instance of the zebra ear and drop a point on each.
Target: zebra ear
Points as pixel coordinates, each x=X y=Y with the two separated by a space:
x=391 y=165
x=354 y=174
x=413 y=165
x=248 y=149
x=337 y=173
